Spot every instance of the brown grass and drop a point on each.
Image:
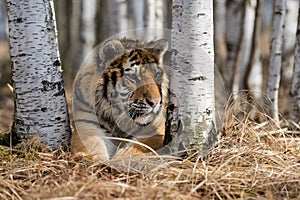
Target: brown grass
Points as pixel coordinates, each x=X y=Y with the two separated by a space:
x=255 y=158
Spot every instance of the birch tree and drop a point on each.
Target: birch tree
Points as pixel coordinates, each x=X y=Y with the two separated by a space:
x=295 y=87
x=40 y=103
x=108 y=18
x=88 y=32
x=192 y=59
x=276 y=57
x=235 y=13
x=254 y=63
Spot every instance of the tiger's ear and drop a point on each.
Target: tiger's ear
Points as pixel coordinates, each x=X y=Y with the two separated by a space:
x=159 y=47
x=110 y=50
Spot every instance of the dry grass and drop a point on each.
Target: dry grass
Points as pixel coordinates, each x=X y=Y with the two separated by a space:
x=254 y=159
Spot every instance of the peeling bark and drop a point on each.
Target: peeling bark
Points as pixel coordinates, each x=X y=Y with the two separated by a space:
x=40 y=103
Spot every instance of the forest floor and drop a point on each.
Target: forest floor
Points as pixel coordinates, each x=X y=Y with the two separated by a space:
x=252 y=160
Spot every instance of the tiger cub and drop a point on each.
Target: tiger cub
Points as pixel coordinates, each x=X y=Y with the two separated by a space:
x=122 y=96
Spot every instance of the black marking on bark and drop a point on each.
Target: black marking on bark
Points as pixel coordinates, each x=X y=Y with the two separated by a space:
x=49 y=86
x=207 y=111
x=200 y=14
x=199 y=78
x=19 y=20
x=56 y=63
x=24 y=54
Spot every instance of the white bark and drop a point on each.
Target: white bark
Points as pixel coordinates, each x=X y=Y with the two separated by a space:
x=40 y=104
x=192 y=57
x=150 y=13
x=136 y=10
x=138 y=13
x=88 y=25
x=159 y=8
x=246 y=47
x=154 y=18
x=295 y=87
x=252 y=76
x=123 y=15
x=276 y=57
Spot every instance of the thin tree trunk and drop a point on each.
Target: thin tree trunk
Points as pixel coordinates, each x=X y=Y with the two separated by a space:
x=235 y=13
x=255 y=48
x=295 y=87
x=88 y=32
x=3 y=23
x=150 y=13
x=123 y=15
x=276 y=57
x=64 y=14
x=136 y=8
x=40 y=103
x=193 y=78
x=219 y=34
x=75 y=50
x=107 y=18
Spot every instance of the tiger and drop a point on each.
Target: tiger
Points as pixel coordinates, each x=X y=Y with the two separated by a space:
x=121 y=96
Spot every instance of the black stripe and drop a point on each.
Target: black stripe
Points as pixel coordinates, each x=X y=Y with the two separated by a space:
x=114 y=78
x=131 y=53
x=134 y=57
x=105 y=84
x=122 y=71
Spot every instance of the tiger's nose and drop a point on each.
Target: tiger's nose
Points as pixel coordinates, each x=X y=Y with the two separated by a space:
x=152 y=102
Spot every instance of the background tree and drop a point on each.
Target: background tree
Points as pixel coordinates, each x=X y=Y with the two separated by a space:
x=235 y=14
x=40 y=103
x=192 y=56
x=295 y=87
x=276 y=57
x=255 y=49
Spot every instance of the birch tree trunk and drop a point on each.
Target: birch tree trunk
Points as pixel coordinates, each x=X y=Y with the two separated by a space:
x=235 y=13
x=88 y=31
x=64 y=14
x=219 y=34
x=295 y=87
x=108 y=19
x=276 y=57
x=192 y=57
x=40 y=103
x=123 y=15
x=255 y=53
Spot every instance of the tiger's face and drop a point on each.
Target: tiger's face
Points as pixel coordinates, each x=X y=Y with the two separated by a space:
x=133 y=84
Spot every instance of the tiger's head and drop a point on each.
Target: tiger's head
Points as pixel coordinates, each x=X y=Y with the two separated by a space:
x=134 y=84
